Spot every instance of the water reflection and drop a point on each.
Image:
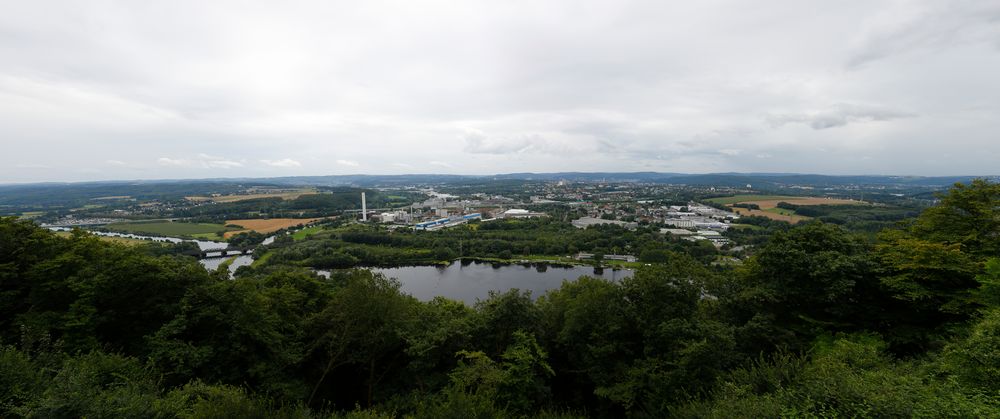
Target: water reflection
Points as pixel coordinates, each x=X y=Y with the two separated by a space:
x=468 y=281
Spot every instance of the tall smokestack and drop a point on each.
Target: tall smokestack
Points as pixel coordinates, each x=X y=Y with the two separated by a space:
x=364 y=208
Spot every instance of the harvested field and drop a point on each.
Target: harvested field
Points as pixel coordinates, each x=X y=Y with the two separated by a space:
x=727 y=200
x=265 y=226
x=769 y=207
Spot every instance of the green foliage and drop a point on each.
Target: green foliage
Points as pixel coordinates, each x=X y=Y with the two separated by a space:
x=988 y=293
x=502 y=315
x=590 y=335
x=20 y=381
x=503 y=239
x=967 y=215
x=933 y=264
x=482 y=387
x=362 y=326
x=654 y=256
x=975 y=359
x=937 y=275
x=845 y=377
x=222 y=333
x=170 y=228
x=812 y=278
x=446 y=327
x=819 y=322
x=246 y=239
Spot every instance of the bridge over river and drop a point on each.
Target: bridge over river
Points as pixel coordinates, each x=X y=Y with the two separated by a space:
x=220 y=252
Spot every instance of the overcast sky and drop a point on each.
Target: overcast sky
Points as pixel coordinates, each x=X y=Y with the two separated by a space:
x=190 y=89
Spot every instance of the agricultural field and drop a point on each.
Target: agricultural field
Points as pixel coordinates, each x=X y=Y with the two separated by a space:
x=32 y=214
x=306 y=232
x=265 y=226
x=287 y=196
x=769 y=205
x=773 y=203
x=780 y=215
x=729 y=200
x=206 y=231
x=123 y=240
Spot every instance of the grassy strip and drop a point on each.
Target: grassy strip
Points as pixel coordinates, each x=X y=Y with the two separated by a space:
x=225 y=264
x=123 y=240
x=306 y=232
x=171 y=229
x=261 y=260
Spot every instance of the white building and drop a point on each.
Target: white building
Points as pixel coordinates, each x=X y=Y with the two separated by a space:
x=521 y=213
x=679 y=223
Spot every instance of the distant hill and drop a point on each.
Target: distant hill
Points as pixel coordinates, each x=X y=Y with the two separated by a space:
x=173 y=188
x=720 y=179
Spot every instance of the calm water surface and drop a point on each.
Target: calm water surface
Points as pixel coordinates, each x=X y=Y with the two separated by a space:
x=471 y=281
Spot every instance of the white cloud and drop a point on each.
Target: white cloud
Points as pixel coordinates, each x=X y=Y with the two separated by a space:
x=349 y=163
x=221 y=164
x=202 y=161
x=730 y=152
x=282 y=163
x=166 y=161
x=477 y=142
x=839 y=115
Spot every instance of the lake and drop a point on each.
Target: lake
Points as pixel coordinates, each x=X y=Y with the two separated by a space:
x=471 y=281
x=464 y=281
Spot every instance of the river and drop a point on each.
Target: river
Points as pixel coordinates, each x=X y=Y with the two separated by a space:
x=465 y=281
x=471 y=281
x=210 y=263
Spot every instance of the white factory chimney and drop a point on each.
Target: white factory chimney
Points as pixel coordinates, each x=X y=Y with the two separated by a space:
x=364 y=208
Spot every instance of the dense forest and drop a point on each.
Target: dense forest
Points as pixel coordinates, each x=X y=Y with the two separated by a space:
x=820 y=322
x=328 y=201
x=512 y=239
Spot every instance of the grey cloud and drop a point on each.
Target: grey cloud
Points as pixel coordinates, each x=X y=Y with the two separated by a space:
x=248 y=88
x=478 y=142
x=932 y=25
x=838 y=116
x=202 y=161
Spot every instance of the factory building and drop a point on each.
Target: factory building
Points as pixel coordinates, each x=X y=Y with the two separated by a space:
x=521 y=213
x=447 y=222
